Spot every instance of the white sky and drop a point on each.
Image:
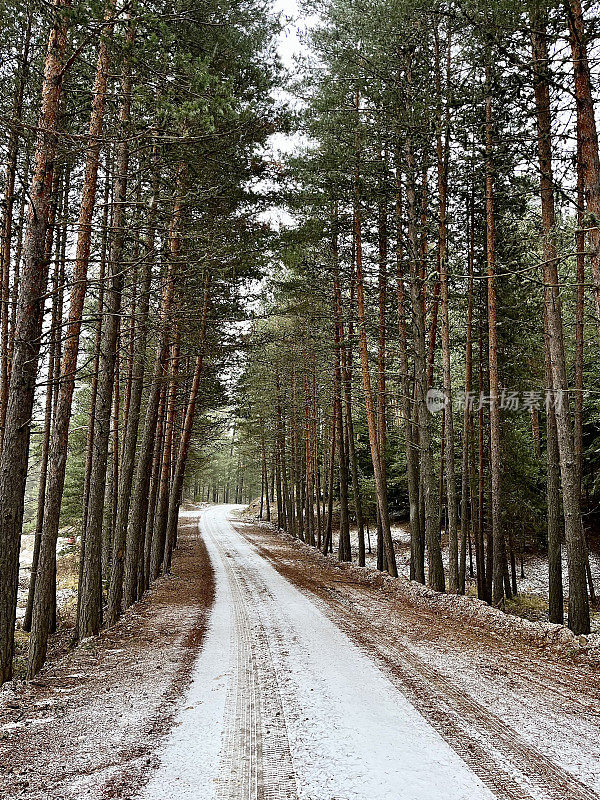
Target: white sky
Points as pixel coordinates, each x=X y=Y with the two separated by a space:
x=289 y=43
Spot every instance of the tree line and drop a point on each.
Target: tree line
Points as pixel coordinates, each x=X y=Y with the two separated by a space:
x=131 y=143
x=428 y=342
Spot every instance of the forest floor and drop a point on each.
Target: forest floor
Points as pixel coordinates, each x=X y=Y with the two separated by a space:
x=89 y=725
x=531 y=602
x=312 y=680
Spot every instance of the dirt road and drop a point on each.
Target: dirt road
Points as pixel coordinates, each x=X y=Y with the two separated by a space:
x=260 y=670
x=304 y=689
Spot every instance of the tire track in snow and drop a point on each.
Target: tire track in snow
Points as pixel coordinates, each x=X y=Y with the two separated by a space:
x=256 y=762
x=383 y=747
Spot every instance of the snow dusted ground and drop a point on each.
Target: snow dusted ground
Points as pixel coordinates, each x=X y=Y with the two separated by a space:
x=534 y=583
x=63 y=596
x=89 y=725
x=283 y=705
x=536 y=573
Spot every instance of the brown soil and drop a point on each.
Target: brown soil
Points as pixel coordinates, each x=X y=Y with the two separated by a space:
x=89 y=725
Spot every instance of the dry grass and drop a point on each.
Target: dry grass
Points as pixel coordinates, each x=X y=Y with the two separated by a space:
x=528 y=606
x=67 y=569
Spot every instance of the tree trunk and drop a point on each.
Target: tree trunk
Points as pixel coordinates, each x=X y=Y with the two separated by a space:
x=499 y=553
x=417 y=545
x=130 y=439
x=28 y=327
x=48 y=416
x=587 y=138
x=97 y=343
x=555 y=580
x=579 y=612
x=376 y=457
x=159 y=534
x=344 y=549
x=89 y=609
x=7 y=220
x=465 y=520
x=346 y=352
x=41 y=621
x=443 y=150
x=309 y=461
x=330 y=474
x=436 y=578
x=186 y=435
x=139 y=499
x=155 y=485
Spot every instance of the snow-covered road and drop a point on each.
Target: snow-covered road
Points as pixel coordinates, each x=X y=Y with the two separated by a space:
x=283 y=705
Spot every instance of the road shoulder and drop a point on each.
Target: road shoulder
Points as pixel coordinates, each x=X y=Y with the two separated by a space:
x=91 y=723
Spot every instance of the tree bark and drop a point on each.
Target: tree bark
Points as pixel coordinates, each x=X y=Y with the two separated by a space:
x=48 y=415
x=41 y=620
x=159 y=533
x=376 y=458
x=587 y=138
x=555 y=579
x=436 y=578
x=186 y=436
x=130 y=439
x=97 y=343
x=139 y=500
x=346 y=353
x=579 y=612
x=344 y=548
x=499 y=552
x=443 y=151
x=28 y=327
x=89 y=609
x=155 y=485
x=7 y=220
x=417 y=545
x=465 y=520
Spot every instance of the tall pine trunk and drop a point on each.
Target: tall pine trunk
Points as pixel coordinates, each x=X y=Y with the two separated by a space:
x=417 y=545
x=44 y=586
x=587 y=137
x=139 y=499
x=160 y=525
x=344 y=549
x=28 y=328
x=346 y=353
x=186 y=435
x=579 y=613
x=130 y=439
x=376 y=456
x=498 y=552
x=443 y=151
x=7 y=221
x=89 y=609
x=465 y=515
x=436 y=578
